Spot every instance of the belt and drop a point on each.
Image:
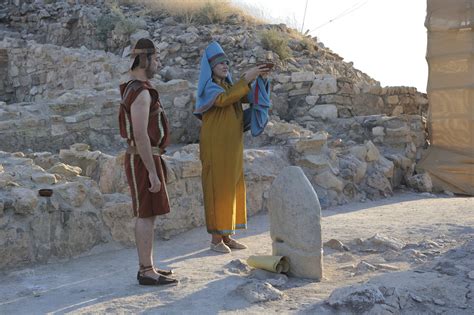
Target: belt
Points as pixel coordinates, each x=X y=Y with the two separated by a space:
x=154 y=150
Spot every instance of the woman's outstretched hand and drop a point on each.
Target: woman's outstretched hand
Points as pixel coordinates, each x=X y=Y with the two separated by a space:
x=254 y=72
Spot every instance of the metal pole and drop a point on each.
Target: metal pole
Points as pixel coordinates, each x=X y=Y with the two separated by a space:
x=304 y=16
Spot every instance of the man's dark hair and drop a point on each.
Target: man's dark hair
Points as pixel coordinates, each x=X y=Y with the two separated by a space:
x=143 y=43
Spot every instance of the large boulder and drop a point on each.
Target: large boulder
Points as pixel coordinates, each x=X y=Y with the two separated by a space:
x=324 y=84
x=295 y=223
x=421 y=182
x=357 y=298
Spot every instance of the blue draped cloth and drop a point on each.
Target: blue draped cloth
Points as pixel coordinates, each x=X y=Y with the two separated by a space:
x=256 y=117
x=208 y=90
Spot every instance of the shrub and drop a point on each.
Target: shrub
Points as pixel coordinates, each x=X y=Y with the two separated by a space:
x=277 y=42
x=213 y=12
x=115 y=20
x=105 y=25
x=308 y=43
x=126 y=26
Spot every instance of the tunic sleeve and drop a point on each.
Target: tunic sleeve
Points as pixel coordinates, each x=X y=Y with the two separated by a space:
x=232 y=95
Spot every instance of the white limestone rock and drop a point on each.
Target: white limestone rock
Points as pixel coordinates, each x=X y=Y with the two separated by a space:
x=44 y=178
x=383 y=242
x=358 y=298
x=181 y=101
x=329 y=181
x=359 y=151
x=328 y=111
x=378 y=131
x=256 y=291
x=314 y=162
x=118 y=217
x=72 y=193
x=373 y=153
x=421 y=182
x=295 y=223
x=112 y=177
x=324 y=84
x=65 y=170
x=307 y=76
x=311 y=99
x=25 y=200
x=312 y=145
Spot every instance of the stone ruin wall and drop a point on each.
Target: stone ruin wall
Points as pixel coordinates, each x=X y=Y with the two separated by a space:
x=353 y=139
x=63 y=105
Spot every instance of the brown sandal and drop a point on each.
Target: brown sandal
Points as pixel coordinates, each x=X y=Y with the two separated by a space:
x=162 y=272
x=147 y=280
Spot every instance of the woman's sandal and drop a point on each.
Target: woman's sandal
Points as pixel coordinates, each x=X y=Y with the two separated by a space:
x=148 y=280
x=234 y=244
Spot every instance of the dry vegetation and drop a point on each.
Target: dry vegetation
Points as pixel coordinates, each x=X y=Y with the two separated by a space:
x=115 y=21
x=277 y=42
x=205 y=12
x=196 y=11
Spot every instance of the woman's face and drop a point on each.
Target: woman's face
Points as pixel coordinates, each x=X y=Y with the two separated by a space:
x=221 y=70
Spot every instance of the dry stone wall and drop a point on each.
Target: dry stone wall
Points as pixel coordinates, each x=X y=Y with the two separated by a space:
x=37 y=72
x=65 y=23
x=91 y=202
x=91 y=193
x=312 y=97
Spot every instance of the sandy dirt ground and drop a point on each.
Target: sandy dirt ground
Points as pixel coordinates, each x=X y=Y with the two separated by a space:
x=103 y=281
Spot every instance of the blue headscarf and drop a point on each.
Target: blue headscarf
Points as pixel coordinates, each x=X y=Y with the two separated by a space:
x=256 y=117
x=207 y=89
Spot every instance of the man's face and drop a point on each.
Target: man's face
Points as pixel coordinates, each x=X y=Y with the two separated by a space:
x=153 y=66
x=221 y=70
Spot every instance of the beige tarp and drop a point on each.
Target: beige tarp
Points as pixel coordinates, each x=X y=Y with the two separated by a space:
x=450 y=56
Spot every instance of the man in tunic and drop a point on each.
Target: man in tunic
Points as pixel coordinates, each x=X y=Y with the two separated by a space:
x=143 y=123
x=219 y=105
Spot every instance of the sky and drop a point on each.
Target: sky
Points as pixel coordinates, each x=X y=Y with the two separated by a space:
x=384 y=38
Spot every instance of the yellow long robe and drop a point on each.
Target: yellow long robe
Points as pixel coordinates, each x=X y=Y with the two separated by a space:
x=221 y=152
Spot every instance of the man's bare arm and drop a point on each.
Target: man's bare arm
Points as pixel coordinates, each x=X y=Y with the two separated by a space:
x=140 y=111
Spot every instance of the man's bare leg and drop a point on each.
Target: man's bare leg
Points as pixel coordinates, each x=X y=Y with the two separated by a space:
x=144 y=234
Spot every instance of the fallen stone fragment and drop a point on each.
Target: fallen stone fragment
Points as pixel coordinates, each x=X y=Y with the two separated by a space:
x=364 y=267
x=238 y=266
x=447 y=268
x=346 y=257
x=391 y=255
x=421 y=182
x=413 y=253
x=358 y=298
x=382 y=242
x=470 y=275
x=259 y=291
x=336 y=244
x=449 y=193
x=430 y=244
x=275 y=279
x=439 y=302
x=416 y=298
x=387 y=267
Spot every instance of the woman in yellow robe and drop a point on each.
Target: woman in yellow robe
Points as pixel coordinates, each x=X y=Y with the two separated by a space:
x=222 y=147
